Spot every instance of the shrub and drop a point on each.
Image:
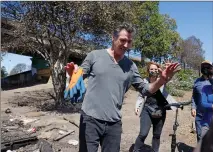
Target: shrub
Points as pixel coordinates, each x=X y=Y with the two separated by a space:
x=187 y=75
x=184 y=85
x=173 y=91
x=143 y=72
x=182 y=81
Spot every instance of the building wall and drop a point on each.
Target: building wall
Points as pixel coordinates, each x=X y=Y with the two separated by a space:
x=18 y=80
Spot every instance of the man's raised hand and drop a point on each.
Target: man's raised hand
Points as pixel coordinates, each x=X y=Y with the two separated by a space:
x=167 y=74
x=71 y=67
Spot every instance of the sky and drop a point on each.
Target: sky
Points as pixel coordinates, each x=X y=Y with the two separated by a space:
x=192 y=18
x=10 y=60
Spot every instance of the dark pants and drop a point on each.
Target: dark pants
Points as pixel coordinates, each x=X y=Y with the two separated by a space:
x=198 y=119
x=93 y=132
x=145 y=123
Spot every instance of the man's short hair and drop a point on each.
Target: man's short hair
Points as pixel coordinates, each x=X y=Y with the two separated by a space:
x=125 y=26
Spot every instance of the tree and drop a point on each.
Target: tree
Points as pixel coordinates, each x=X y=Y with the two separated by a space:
x=2 y=55
x=56 y=30
x=192 y=52
x=3 y=69
x=157 y=36
x=21 y=67
x=3 y=72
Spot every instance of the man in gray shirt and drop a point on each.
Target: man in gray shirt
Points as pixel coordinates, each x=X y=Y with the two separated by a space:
x=110 y=74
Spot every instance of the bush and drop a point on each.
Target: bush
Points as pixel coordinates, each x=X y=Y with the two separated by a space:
x=182 y=81
x=185 y=80
x=173 y=91
x=187 y=75
x=142 y=72
x=184 y=85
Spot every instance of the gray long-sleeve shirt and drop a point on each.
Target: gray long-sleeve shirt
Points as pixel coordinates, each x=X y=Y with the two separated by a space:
x=107 y=84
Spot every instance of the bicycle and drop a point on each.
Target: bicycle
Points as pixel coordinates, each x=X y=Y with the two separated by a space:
x=176 y=124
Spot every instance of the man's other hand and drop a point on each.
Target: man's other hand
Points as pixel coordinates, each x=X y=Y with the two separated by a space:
x=193 y=112
x=71 y=67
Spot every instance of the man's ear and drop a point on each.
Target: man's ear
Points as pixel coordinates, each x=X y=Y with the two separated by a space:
x=113 y=38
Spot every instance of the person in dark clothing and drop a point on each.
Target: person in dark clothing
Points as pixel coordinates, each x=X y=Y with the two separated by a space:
x=153 y=112
x=197 y=110
x=206 y=144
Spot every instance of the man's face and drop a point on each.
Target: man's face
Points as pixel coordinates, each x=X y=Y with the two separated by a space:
x=122 y=42
x=207 y=69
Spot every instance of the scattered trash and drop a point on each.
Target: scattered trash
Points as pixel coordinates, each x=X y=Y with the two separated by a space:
x=18 y=143
x=34 y=114
x=8 y=110
x=73 y=142
x=10 y=151
x=54 y=126
x=72 y=121
x=9 y=128
x=31 y=130
x=64 y=135
x=28 y=120
x=44 y=146
x=61 y=132
x=45 y=135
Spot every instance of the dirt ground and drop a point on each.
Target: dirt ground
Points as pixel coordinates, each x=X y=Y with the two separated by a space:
x=32 y=107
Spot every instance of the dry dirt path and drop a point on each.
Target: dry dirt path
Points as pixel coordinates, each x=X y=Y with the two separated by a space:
x=130 y=120
x=131 y=126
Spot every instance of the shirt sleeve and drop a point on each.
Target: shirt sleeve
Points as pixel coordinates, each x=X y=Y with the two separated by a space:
x=139 y=101
x=138 y=83
x=163 y=91
x=87 y=64
x=168 y=97
x=193 y=105
x=204 y=102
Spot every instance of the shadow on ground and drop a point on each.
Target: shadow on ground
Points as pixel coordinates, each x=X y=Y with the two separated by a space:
x=146 y=148
x=182 y=147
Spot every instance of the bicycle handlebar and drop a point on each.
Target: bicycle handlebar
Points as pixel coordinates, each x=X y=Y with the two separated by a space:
x=178 y=104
